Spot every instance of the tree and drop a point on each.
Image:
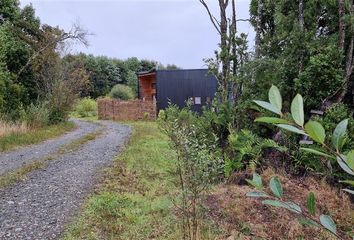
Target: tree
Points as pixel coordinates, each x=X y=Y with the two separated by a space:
x=225 y=59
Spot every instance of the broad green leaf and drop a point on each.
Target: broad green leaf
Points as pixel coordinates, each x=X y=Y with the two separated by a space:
x=350 y=159
x=349 y=191
x=291 y=129
x=257 y=179
x=311 y=203
x=316 y=131
x=310 y=150
x=297 y=110
x=350 y=182
x=308 y=222
x=338 y=136
x=287 y=205
x=343 y=165
x=275 y=97
x=328 y=223
x=257 y=194
x=276 y=187
x=268 y=106
x=272 y=120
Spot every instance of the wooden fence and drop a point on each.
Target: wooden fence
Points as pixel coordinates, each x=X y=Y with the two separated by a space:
x=112 y=109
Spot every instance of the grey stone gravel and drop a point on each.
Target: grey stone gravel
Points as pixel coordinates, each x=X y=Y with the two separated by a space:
x=14 y=159
x=40 y=207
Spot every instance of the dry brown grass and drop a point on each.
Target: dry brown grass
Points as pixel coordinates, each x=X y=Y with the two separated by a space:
x=247 y=218
x=12 y=128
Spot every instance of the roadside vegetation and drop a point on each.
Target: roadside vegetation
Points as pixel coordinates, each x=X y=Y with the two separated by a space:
x=16 y=139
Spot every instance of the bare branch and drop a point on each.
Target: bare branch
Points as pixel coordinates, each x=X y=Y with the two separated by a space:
x=77 y=33
x=243 y=20
x=213 y=20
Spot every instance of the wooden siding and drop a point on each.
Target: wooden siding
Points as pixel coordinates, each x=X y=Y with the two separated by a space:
x=147 y=87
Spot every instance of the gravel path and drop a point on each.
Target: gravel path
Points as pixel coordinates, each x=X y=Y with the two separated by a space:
x=40 y=207
x=15 y=159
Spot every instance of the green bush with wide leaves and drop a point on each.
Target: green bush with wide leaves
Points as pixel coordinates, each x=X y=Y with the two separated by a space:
x=313 y=130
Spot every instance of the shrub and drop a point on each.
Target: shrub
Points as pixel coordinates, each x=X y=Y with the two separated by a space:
x=122 y=92
x=198 y=163
x=57 y=115
x=331 y=151
x=246 y=150
x=37 y=115
x=86 y=107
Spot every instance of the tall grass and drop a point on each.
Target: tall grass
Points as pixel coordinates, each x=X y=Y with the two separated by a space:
x=28 y=136
x=7 y=128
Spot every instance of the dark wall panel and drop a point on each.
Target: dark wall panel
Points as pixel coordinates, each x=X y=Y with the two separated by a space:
x=177 y=86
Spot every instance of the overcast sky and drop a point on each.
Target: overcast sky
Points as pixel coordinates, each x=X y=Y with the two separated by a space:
x=169 y=31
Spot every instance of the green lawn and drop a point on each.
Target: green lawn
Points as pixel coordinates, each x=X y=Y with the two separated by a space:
x=16 y=140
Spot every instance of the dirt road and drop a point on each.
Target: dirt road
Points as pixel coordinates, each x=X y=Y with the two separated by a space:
x=39 y=207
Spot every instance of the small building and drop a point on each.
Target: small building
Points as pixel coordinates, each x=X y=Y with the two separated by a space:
x=177 y=87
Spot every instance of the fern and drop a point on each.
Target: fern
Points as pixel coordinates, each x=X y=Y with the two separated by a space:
x=246 y=150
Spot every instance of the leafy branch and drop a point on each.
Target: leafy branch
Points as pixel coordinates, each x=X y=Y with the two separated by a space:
x=306 y=217
x=312 y=129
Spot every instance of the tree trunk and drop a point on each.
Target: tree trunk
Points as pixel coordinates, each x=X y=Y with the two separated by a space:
x=258 y=28
x=301 y=15
x=301 y=26
x=225 y=49
x=233 y=32
x=349 y=62
x=341 y=33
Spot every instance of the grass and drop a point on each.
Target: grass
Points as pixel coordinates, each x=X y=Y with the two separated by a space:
x=14 y=140
x=19 y=174
x=135 y=199
x=74 y=145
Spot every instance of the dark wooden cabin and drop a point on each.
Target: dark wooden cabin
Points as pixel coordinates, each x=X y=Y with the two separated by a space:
x=177 y=87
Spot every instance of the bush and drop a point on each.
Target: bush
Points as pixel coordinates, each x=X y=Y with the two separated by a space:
x=122 y=92
x=57 y=115
x=198 y=165
x=245 y=149
x=37 y=115
x=86 y=107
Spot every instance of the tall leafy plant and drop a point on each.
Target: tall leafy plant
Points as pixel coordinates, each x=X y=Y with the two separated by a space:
x=312 y=129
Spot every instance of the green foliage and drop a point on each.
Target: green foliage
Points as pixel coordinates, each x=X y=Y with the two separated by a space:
x=86 y=107
x=245 y=149
x=37 y=115
x=122 y=92
x=198 y=164
x=277 y=201
x=316 y=132
x=323 y=73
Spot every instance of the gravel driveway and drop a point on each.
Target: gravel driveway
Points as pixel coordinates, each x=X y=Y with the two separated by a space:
x=14 y=159
x=40 y=207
